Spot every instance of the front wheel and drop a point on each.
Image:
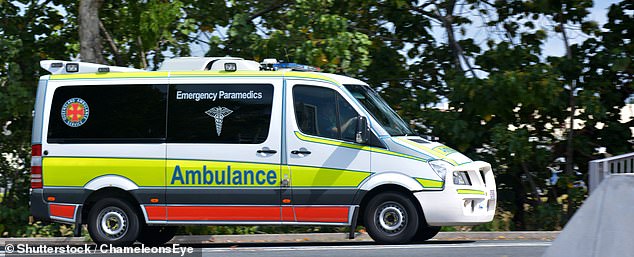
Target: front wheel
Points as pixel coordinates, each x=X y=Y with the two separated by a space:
x=391 y=218
x=113 y=221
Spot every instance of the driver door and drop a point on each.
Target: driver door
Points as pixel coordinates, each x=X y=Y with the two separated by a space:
x=325 y=165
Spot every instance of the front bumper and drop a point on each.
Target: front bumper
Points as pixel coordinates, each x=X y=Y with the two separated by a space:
x=462 y=204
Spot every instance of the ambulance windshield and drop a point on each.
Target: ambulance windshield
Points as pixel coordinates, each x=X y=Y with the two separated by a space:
x=380 y=110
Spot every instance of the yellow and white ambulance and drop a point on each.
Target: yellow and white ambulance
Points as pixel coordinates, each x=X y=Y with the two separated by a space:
x=226 y=141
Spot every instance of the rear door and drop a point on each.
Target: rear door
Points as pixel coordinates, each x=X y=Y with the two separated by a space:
x=223 y=150
x=105 y=133
x=326 y=166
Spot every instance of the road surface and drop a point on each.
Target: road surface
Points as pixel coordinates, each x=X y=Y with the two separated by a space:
x=505 y=248
x=366 y=249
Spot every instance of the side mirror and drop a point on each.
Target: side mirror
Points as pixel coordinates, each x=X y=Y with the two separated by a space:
x=362 y=133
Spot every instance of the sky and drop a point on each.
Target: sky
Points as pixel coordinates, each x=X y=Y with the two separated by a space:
x=554 y=45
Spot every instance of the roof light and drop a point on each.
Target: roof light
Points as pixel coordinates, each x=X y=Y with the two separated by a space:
x=295 y=66
x=231 y=67
x=57 y=64
x=72 y=67
x=103 y=69
x=269 y=61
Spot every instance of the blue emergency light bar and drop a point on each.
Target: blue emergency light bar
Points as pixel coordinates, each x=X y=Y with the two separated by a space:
x=294 y=66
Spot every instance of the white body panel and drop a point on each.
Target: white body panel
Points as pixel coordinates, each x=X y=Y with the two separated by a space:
x=391 y=178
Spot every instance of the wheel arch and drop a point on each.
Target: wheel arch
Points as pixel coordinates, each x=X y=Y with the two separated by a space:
x=109 y=192
x=363 y=202
x=107 y=181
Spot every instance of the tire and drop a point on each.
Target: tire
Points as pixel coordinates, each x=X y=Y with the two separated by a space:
x=156 y=235
x=391 y=218
x=113 y=221
x=425 y=233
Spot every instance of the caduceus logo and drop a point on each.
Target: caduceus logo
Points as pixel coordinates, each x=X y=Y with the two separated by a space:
x=218 y=113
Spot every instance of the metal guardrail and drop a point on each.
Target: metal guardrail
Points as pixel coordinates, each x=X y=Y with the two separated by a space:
x=602 y=168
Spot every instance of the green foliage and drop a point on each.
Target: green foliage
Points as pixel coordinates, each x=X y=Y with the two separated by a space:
x=27 y=34
x=301 y=31
x=142 y=32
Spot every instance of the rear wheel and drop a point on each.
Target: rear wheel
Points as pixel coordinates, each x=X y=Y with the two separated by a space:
x=156 y=235
x=391 y=218
x=113 y=221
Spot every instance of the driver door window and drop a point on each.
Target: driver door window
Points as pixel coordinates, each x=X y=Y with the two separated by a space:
x=323 y=112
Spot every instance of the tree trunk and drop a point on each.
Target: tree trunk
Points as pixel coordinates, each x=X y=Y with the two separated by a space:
x=570 y=151
x=537 y=200
x=447 y=22
x=89 y=38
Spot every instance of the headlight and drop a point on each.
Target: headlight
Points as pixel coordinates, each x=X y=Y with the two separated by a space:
x=440 y=167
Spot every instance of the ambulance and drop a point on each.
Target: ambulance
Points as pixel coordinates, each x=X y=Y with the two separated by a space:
x=134 y=154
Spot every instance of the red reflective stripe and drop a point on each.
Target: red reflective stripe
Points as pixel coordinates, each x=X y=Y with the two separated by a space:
x=36 y=183
x=287 y=214
x=156 y=212
x=224 y=213
x=250 y=213
x=64 y=211
x=36 y=150
x=321 y=214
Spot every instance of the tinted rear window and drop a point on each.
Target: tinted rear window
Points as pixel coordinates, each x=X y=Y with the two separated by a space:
x=108 y=114
x=219 y=113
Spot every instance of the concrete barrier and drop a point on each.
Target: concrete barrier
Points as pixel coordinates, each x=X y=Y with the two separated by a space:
x=603 y=226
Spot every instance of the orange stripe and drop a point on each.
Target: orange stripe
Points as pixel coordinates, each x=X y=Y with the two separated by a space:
x=321 y=214
x=64 y=211
x=224 y=213
x=156 y=212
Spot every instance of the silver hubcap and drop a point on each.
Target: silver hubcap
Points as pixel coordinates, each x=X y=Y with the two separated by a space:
x=391 y=217
x=113 y=223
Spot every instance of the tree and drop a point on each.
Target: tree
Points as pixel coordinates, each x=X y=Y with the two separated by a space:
x=28 y=32
x=299 y=31
x=89 y=38
x=140 y=33
x=507 y=103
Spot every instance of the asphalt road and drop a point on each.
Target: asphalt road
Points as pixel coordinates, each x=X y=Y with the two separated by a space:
x=488 y=248
x=366 y=249
x=467 y=244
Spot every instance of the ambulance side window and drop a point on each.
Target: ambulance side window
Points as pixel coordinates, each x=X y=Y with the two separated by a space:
x=108 y=114
x=219 y=113
x=323 y=112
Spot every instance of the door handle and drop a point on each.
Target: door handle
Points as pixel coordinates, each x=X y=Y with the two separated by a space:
x=300 y=152
x=267 y=151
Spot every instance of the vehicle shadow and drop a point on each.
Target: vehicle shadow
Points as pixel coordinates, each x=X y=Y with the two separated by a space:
x=299 y=244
